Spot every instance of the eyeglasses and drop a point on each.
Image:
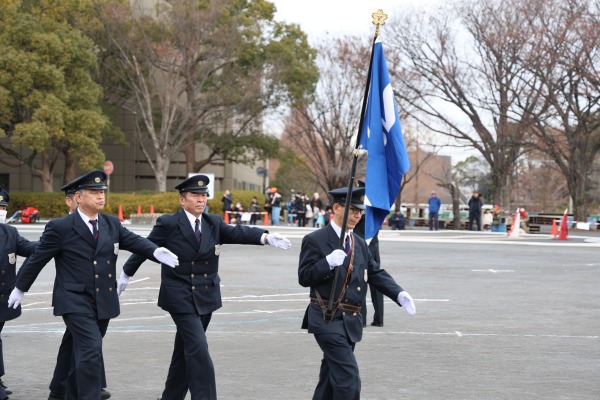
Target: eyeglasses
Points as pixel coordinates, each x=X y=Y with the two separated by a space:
x=355 y=211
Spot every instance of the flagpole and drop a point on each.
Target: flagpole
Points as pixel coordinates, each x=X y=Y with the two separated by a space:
x=379 y=18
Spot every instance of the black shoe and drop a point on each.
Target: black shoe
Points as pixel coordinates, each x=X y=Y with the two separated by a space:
x=7 y=391
x=379 y=324
x=55 y=396
x=104 y=394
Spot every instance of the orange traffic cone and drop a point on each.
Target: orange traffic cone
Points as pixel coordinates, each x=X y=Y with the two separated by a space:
x=121 y=213
x=554 y=231
x=564 y=230
x=266 y=222
x=226 y=217
x=139 y=209
x=151 y=208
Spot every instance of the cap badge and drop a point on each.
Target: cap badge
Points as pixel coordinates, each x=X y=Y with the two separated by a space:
x=362 y=198
x=97 y=180
x=200 y=183
x=1 y=198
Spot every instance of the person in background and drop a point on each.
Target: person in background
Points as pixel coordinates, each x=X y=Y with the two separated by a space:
x=317 y=205
x=227 y=200
x=396 y=220
x=524 y=218
x=475 y=204
x=301 y=209
x=268 y=199
x=276 y=206
x=487 y=220
x=254 y=209
x=434 y=210
x=11 y=245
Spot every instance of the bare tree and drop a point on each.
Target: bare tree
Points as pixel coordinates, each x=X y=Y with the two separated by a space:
x=569 y=71
x=461 y=73
x=324 y=131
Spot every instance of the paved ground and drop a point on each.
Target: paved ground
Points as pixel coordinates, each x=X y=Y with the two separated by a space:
x=497 y=318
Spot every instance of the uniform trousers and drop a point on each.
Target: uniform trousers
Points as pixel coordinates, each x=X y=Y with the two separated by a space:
x=338 y=378
x=3 y=394
x=377 y=299
x=1 y=352
x=191 y=366
x=64 y=361
x=85 y=380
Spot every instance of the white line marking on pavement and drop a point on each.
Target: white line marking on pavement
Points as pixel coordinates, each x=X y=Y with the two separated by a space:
x=133 y=303
x=250 y=296
x=37 y=309
x=260 y=312
x=33 y=304
x=495 y=271
x=139 y=280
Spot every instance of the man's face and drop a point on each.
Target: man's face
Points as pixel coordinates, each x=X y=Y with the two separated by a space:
x=475 y=194
x=354 y=215
x=2 y=208
x=194 y=203
x=71 y=203
x=90 y=201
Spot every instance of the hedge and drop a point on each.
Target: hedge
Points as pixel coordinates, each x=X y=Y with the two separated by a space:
x=52 y=205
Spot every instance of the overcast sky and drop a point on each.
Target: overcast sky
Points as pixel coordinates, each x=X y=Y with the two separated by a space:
x=340 y=17
x=348 y=17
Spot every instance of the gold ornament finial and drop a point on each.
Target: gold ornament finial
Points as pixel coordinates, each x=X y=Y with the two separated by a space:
x=379 y=18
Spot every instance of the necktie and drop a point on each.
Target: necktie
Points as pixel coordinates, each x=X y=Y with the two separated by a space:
x=347 y=244
x=197 y=230
x=94 y=223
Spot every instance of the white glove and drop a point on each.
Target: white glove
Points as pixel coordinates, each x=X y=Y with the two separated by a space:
x=15 y=298
x=276 y=240
x=122 y=283
x=336 y=258
x=165 y=256
x=407 y=302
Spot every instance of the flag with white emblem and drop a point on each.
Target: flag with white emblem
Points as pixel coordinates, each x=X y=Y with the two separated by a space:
x=381 y=136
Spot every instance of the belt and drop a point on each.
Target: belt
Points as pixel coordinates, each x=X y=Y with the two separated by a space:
x=341 y=306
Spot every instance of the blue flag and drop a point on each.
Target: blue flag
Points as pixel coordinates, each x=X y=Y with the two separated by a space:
x=381 y=136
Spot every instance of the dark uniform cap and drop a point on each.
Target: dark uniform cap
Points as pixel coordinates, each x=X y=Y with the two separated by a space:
x=357 y=200
x=95 y=179
x=69 y=188
x=194 y=184
x=4 y=197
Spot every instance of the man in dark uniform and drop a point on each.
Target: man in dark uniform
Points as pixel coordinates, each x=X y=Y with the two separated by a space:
x=324 y=266
x=11 y=245
x=58 y=385
x=85 y=246
x=191 y=292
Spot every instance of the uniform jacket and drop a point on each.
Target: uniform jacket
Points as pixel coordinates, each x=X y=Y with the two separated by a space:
x=193 y=286
x=85 y=280
x=11 y=245
x=314 y=272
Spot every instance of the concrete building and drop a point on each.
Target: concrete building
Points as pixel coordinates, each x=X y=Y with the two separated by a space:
x=132 y=173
